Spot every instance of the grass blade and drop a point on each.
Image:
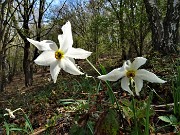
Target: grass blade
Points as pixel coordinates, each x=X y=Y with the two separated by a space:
x=147 y=113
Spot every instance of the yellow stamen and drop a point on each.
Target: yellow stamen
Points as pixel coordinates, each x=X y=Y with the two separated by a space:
x=59 y=54
x=130 y=73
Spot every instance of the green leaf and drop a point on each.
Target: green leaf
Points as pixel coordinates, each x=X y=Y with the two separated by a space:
x=127 y=111
x=90 y=126
x=165 y=119
x=148 y=113
x=126 y=102
x=108 y=123
x=103 y=70
x=173 y=119
x=7 y=128
x=18 y=129
x=66 y=101
x=28 y=123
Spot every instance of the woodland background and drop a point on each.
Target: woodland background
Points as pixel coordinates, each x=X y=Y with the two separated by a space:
x=114 y=30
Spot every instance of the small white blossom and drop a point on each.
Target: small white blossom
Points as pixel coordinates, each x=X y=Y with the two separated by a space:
x=130 y=72
x=62 y=57
x=10 y=113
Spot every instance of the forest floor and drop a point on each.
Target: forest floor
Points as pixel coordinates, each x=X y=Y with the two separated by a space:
x=54 y=108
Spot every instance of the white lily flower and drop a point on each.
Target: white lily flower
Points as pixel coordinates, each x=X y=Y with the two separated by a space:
x=10 y=112
x=130 y=72
x=62 y=57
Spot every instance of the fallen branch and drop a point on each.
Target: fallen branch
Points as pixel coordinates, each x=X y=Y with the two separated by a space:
x=164 y=105
x=38 y=131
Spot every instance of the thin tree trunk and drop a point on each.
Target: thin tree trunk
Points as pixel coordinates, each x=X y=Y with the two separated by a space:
x=171 y=25
x=27 y=65
x=2 y=72
x=164 y=32
x=119 y=16
x=4 y=39
x=24 y=33
x=41 y=13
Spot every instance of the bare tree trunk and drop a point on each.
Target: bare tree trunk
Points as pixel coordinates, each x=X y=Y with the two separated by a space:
x=2 y=72
x=38 y=27
x=5 y=40
x=164 y=32
x=119 y=16
x=25 y=11
x=27 y=65
x=171 y=25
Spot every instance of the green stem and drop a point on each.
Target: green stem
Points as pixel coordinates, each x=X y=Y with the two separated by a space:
x=163 y=127
x=147 y=114
x=134 y=108
x=135 y=118
x=111 y=93
x=112 y=96
x=93 y=67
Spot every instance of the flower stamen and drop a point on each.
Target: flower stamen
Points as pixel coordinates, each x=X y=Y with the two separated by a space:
x=59 y=54
x=130 y=73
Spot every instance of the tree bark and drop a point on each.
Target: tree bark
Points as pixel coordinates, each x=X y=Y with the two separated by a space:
x=41 y=13
x=164 y=31
x=171 y=25
x=5 y=40
x=24 y=33
x=2 y=72
x=119 y=16
x=27 y=65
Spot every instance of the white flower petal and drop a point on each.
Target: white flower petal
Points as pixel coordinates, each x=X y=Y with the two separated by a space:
x=125 y=85
x=114 y=75
x=44 y=45
x=128 y=62
x=139 y=61
x=78 y=53
x=126 y=65
x=67 y=65
x=148 y=76
x=45 y=58
x=10 y=113
x=138 y=85
x=54 y=70
x=61 y=40
x=52 y=45
x=72 y=60
x=66 y=40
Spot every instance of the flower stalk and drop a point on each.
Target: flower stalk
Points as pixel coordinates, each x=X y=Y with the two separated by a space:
x=113 y=98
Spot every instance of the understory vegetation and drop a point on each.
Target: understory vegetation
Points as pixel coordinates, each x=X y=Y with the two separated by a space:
x=81 y=105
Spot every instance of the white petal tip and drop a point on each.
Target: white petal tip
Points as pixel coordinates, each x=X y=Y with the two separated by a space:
x=29 y=39
x=101 y=77
x=88 y=54
x=37 y=62
x=158 y=80
x=163 y=81
x=80 y=73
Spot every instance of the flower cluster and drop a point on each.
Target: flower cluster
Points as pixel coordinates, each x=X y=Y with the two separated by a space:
x=63 y=58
